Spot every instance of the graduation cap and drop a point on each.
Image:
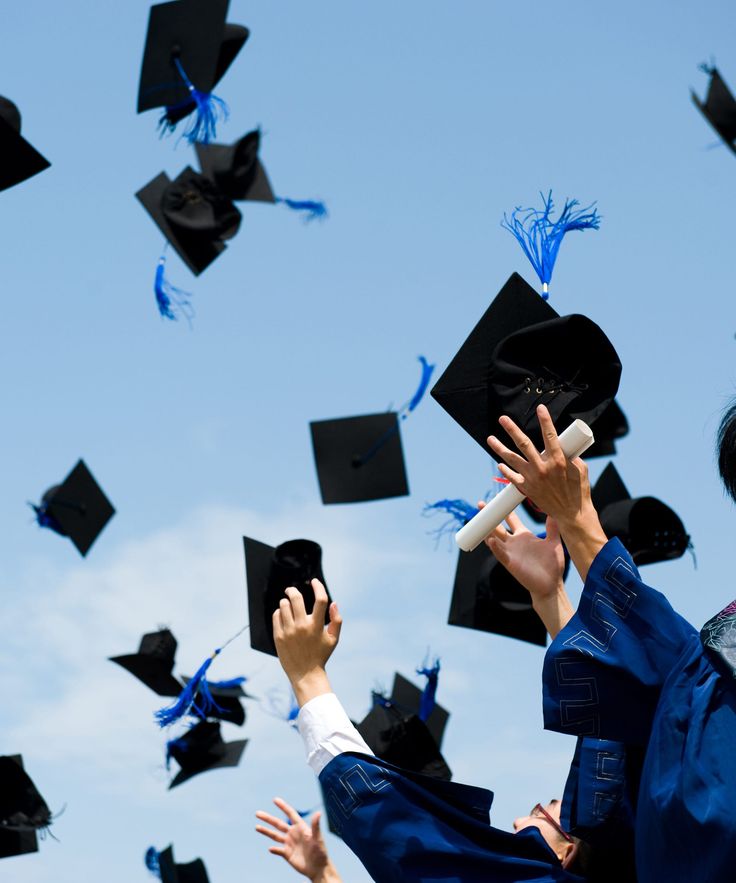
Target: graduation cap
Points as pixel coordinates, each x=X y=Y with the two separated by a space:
x=361 y=458
x=649 y=529
x=237 y=172
x=20 y=159
x=486 y=597
x=23 y=812
x=522 y=354
x=194 y=217
x=407 y=697
x=403 y=739
x=269 y=572
x=719 y=107
x=77 y=508
x=154 y=662
x=162 y=864
x=226 y=695
x=201 y=749
x=188 y=49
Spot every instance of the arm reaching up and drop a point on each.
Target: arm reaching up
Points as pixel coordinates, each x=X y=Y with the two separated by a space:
x=299 y=843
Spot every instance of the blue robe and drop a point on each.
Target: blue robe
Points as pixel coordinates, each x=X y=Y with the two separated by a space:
x=408 y=827
x=628 y=668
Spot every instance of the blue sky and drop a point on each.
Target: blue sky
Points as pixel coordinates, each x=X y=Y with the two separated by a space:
x=419 y=124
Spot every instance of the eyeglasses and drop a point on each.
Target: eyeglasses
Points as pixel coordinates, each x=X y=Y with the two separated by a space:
x=539 y=811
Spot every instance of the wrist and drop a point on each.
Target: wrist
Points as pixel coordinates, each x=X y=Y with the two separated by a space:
x=582 y=521
x=327 y=875
x=310 y=684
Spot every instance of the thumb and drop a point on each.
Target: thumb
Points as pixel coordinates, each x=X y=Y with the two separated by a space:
x=335 y=624
x=316 y=833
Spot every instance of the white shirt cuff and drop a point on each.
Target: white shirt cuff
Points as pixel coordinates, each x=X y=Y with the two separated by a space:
x=327 y=731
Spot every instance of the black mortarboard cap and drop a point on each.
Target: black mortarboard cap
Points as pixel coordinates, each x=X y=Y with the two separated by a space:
x=235 y=169
x=486 y=597
x=154 y=662
x=77 y=508
x=269 y=571
x=359 y=458
x=192 y=214
x=522 y=354
x=171 y=872
x=403 y=739
x=649 y=529
x=20 y=159
x=228 y=705
x=407 y=697
x=201 y=749
x=191 y=31
x=719 y=107
x=23 y=811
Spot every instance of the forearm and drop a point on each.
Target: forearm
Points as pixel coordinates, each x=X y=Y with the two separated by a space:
x=555 y=610
x=583 y=537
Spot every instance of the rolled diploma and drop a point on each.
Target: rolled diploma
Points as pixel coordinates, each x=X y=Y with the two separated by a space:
x=576 y=439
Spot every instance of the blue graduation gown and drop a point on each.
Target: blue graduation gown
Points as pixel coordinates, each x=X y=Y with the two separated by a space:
x=407 y=827
x=628 y=668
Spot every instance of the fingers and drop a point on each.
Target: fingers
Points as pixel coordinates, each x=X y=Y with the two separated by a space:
x=271 y=834
x=498 y=550
x=316 y=833
x=287 y=617
x=277 y=850
x=335 y=624
x=277 y=823
x=549 y=434
x=515 y=523
x=278 y=626
x=511 y=457
x=481 y=504
x=321 y=600
x=296 y=599
x=514 y=477
x=288 y=810
x=521 y=440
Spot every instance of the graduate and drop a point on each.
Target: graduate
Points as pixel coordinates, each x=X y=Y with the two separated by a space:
x=627 y=667
x=403 y=826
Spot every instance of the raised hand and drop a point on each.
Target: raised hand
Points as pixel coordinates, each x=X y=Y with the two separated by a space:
x=299 y=843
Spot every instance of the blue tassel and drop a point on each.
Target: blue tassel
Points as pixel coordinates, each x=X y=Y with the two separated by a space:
x=188 y=697
x=460 y=511
x=209 y=111
x=277 y=708
x=151 y=860
x=179 y=743
x=43 y=519
x=428 y=702
x=314 y=210
x=171 y=301
x=227 y=685
x=427 y=370
x=540 y=237
x=378 y=698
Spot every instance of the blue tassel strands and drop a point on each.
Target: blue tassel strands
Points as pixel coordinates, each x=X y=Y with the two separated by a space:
x=195 y=699
x=402 y=414
x=284 y=708
x=312 y=209
x=43 y=519
x=209 y=111
x=152 y=863
x=172 y=302
x=540 y=237
x=428 y=701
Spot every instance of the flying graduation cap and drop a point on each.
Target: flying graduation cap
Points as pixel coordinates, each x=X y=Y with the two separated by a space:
x=226 y=696
x=361 y=458
x=237 y=172
x=189 y=47
x=719 y=107
x=163 y=866
x=77 y=508
x=154 y=662
x=20 y=159
x=269 y=572
x=23 y=812
x=201 y=749
x=522 y=354
x=649 y=529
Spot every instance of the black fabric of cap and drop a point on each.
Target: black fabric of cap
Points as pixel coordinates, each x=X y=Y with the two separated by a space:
x=20 y=159
x=269 y=572
x=202 y=749
x=22 y=809
x=359 y=458
x=79 y=507
x=154 y=662
x=236 y=170
x=522 y=354
x=719 y=108
x=193 y=215
x=229 y=707
x=407 y=697
x=171 y=872
x=487 y=598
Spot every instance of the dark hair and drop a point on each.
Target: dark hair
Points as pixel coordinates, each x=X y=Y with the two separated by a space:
x=726 y=443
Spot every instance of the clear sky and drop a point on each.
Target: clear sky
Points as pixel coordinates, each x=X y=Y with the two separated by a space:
x=419 y=123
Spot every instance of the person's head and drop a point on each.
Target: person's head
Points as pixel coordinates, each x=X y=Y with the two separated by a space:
x=726 y=444
x=547 y=819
